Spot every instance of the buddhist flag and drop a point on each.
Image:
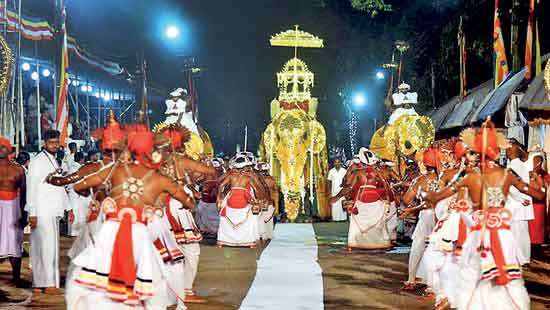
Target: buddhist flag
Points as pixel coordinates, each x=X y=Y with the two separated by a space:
x=62 y=117
x=501 y=64
x=529 y=42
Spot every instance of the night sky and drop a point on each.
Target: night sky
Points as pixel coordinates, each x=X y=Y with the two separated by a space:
x=231 y=40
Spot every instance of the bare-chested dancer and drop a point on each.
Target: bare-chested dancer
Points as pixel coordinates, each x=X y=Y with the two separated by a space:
x=120 y=268
x=12 y=201
x=490 y=272
x=238 y=223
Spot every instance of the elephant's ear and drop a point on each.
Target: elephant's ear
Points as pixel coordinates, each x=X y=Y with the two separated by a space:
x=270 y=139
x=275 y=108
x=316 y=133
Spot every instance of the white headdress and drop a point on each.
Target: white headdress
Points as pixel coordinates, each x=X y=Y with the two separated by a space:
x=367 y=157
x=240 y=161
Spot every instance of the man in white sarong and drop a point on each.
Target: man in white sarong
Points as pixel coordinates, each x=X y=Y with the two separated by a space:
x=12 y=219
x=46 y=205
x=519 y=204
x=370 y=211
x=335 y=178
x=238 y=222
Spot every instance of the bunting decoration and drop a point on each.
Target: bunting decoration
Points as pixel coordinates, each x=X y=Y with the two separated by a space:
x=35 y=29
x=62 y=117
x=529 y=42
x=501 y=64
x=107 y=66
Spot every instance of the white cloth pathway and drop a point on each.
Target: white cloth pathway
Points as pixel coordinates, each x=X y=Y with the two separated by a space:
x=288 y=275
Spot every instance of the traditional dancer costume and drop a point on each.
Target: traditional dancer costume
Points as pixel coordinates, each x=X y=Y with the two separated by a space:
x=490 y=269
x=207 y=215
x=238 y=225
x=371 y=211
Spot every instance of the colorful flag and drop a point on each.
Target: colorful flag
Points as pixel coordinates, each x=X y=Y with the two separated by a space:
x=32 y=28
x=529 y=42
x=62 y=117
x=501 y=64
x=463 y=54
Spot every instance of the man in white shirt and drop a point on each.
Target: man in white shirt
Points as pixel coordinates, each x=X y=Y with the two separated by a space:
x=521 y=205
x=69 y=157
x=46 y=205
x=335 y=178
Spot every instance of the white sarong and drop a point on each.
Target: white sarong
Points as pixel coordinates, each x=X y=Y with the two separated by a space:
x=44 y=252
x=239 y=227
x=11 y=233
x=475 y=294
x=79 y=205
x=368 y=229
x=265 y=223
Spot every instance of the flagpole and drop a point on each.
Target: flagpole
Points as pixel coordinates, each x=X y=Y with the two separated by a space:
x=38 y=107
x=21 y=122
x=245 y=137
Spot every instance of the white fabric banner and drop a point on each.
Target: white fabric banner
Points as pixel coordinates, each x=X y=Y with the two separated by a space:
x=288 y=275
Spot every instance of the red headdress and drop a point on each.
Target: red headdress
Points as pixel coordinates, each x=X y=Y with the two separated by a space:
x=487 y=141
x=5 y=143
x=112 y=135
x=432 y=157
x=176 y=134
x=140 y=139
x=460 y=149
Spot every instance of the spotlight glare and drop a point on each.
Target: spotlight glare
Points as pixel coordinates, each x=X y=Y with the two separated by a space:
x=46 y=72
x=26 y=66
x=34 y=76
x=172 y=32
x=380 y=75
x=359 y=99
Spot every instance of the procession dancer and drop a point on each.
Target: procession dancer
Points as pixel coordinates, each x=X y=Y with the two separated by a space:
x=12 y=217
x=186 y=172
x=490 y=266
x=121 y=270
x=424 y=184
x=270 y=194
x=46 y=205
x=207 y=215
x=370 y=210
x=238 y=220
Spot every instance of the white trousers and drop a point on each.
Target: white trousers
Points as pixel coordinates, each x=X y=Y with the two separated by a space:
x=520 y=230
x=418 y=247
x=338 y=213
x=192 y=252
x=44 y=252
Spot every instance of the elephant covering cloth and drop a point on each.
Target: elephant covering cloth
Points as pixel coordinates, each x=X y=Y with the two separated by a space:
x=238 y=226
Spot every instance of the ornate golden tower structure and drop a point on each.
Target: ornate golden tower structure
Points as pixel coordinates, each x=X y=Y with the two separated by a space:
x=294 y=143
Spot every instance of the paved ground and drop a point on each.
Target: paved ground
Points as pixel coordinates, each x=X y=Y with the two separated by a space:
x=360 y=280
